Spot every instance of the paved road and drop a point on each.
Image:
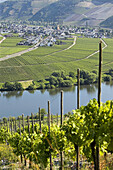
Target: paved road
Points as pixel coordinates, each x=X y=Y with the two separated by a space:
x=2 y=39
x=31 y=49
x=36 y=46
x=105 y=45
x=19 y=53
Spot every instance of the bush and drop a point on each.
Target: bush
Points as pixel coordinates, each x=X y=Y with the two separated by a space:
x=7 y=155
x=81 y=81
x=18 y=86
x=111 y=72
x=84 y=74
x=30 y=87
x=42 y=86
x=43 y=112
x=56 y=74
x=53 y=80
x=52 y=87
x=66 y=83
x=48 y=86
x=13 y=86
x=107 y=78
x=94 y=71
x=72 y=74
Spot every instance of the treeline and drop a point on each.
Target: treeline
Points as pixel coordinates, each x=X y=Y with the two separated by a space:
x=59 y=79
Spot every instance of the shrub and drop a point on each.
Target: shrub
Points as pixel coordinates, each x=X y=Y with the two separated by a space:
x=42 y=86
x=53 y=80
x=107 y=78
x=72 y=74
x=56 y=74
x=81 y=81
x=30 y=87
x=52 y=86
x=66 y=83
x=48 y=86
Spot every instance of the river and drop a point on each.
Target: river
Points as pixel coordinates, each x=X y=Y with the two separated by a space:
x=14 y=104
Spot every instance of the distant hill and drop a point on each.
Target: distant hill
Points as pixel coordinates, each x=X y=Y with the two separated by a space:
x=21 y=9
x=108 y=23
x=56 y=11
x=76 y=11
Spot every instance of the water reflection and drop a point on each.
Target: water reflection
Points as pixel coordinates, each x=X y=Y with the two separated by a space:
x=89 y=88
x=43 y=91
x=16 y=94
x=25 y=102
x=31 y=91
x=109 y=83
x=53 y=92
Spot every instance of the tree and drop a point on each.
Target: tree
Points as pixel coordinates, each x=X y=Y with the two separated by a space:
x=72 y=74
x=43 y=112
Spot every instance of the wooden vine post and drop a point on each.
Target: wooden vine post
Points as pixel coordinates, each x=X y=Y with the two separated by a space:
x=49 y=125
x=15 y=125
x=99 y=98
x=57 y=119
x=29 y=134
x=32 y=123
x=61 y=153
x=78 y=106
x=25 y=163
x=7 y=125
x=11 y=126
x=20 y=135
x=40 y=120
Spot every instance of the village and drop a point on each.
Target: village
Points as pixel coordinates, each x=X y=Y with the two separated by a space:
x=50 y=35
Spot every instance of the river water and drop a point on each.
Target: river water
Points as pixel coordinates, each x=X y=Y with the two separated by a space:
x=18 y=103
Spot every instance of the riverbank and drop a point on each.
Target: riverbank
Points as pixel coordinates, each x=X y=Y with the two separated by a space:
x=57 y=80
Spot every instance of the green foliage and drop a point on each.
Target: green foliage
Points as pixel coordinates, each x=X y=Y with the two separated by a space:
x=13 y=86
x=4 y=119
x=43 y=113
x=87 y=77
x=30 y=87
x=6 y=154
x=90 y=127
x=42 y=62
x=111 y=72
x=66 y=83
x=56 y=74
x=9 y=46
x=72 y=74
x=107 y=78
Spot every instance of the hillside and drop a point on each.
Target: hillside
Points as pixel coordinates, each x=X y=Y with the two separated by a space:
x=76 y=11
x=13 y=9
x=108 y=23
x=56 y=11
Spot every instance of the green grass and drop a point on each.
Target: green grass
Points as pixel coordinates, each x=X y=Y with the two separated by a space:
x=1 y=38
x=9 y=46
x=40 y=63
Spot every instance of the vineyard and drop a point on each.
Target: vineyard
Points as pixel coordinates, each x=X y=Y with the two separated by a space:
x=42 y=62
x=82 y=139
x=9 y=46
x=39 y=140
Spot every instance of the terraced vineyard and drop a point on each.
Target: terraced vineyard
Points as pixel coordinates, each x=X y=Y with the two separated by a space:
x=41 y=62
x=9 y=46
x=0 y=38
